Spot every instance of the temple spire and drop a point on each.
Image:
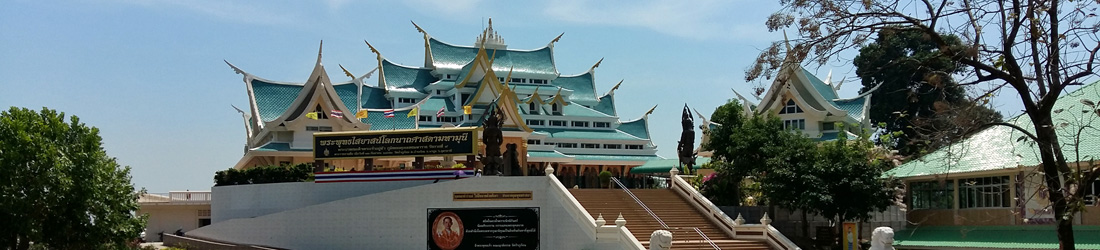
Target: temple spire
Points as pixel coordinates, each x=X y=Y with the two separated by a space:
x=490 y=39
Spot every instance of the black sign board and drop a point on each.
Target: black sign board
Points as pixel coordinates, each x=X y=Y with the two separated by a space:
x=483 y=228
x=395 y=143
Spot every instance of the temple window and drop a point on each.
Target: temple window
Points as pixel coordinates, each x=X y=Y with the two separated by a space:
x=984 y=192
x=790 y=108
x=590 y=145
x=536 y=122
x=465 y=98
x=932 y=195
x=534 y=142
x=425 y=118
x=557 y=123
x=405 y=100
x=601 y=124
x=533 y=108
x=556 y=109
x=450 y=119
x=319 y=128
x=828 y=126
x=634 y=146
x=796 y=124
x=613 y=146
x=538 y=81
x=567 y=145
x=518 y=80
x=320 y=112
x=580 y=124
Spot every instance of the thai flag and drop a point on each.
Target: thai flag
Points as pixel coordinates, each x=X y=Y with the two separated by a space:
x=388 y=113
x=337 y=114
x=440 y=113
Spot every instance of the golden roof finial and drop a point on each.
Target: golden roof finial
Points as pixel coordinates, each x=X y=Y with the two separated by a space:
x=418 y=29
x=346 y=72
x=596 y=65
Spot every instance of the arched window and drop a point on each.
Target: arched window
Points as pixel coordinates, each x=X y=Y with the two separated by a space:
x=790 y=108
x=533 y=108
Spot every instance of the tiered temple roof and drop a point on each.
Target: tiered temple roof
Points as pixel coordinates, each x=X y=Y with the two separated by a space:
x=557 y=112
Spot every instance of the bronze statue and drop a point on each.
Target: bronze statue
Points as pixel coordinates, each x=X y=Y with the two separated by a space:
x=685 y=150
x=511 y=161
x=492 y=137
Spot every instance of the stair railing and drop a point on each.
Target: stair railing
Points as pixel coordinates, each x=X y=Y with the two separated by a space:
x=701 y=234
x=639 y=201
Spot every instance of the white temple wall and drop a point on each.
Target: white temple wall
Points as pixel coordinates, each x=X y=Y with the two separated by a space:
x=247 y=201
x=395 y=219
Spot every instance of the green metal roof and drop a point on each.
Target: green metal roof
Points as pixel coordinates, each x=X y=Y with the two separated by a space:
x=998 y=147
x=829 y=136
x=588 y=134
x=637 y=128
x=664 y=165
x=617 y=157
x=399 y=76
x=539 y=61
x=547 y=154
x=1004 y=237
x=584 y=90
x=373 y=98
x=606 y=105
x=272 y=99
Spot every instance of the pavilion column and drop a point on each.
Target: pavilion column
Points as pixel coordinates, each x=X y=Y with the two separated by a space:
x=418 y=162
x=368 y=164
x=471 y=161
x=318 y=166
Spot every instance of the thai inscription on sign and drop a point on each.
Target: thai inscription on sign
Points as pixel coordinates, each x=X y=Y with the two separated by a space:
x=396 y=143
x=492 y=196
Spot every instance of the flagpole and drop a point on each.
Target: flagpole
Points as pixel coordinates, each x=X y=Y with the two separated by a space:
x=416 y=118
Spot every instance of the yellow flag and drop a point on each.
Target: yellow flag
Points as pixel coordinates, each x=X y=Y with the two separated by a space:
x=362 y=114
x=467 y=110
x=311 y=115
x=414 y=112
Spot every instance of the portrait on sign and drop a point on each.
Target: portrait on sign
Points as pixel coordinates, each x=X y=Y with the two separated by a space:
x=447 y=231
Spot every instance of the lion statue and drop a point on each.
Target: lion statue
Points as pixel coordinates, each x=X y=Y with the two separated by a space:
x=882 y=239
x=660 y=240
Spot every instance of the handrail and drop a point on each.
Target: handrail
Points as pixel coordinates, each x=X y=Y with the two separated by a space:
x=574 y=207
x=718 y=217
x=617 y=182
x=701 y=234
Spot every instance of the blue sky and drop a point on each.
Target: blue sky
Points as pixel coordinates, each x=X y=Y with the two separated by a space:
x=149 y=73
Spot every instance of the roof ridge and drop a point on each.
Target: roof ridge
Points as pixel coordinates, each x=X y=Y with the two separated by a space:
x=475 y=47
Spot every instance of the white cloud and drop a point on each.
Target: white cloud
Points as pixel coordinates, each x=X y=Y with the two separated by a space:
x=702 y=20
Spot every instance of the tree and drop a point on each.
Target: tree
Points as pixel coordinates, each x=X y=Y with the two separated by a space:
x=1037 y=48
x=59 y=188
x=914 y=90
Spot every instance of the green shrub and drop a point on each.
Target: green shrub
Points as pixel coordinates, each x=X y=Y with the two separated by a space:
x=266 y=174
x=605 y=178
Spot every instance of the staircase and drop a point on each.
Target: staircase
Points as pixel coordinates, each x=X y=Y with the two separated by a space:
x=678 y=214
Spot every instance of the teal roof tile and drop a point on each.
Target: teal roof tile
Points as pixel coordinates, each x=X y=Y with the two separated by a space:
x=272 y=99
x=584 y=90
x=826 y=91
x=664 y=165
x=998 y=147
x=578 y=110
x=854 y=106
x=588 y=134
x=829 y=136
x=1002 y=237
x=433 y=105
x=278 y=146
x=617 y=157
x=539 y=61
x=636 y=128
x=547 y=154
x=399 y=76
x=378 y=120
x=606 y=105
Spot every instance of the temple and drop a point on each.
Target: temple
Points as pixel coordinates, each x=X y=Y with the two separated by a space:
x=552 y=117
x=806 y=103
